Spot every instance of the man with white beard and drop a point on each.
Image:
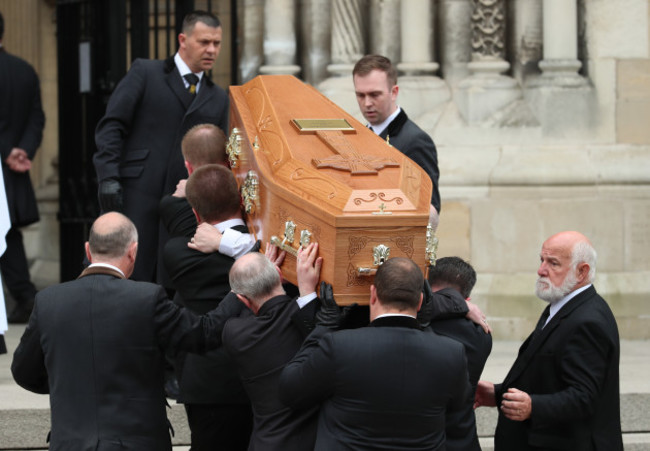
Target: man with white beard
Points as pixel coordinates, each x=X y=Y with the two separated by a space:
x=562 y=393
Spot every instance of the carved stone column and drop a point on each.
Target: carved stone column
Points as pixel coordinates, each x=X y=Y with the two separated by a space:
x=563 y=101
x=525 y=20
x=417 y=32
x=416 y=35
x=348 y=46
x=280 y=46
x=486 y=91
x=455 y=39
x=488 y=37
x=315 y=32
x=252 y=55
x=385 y=27
x=561 y=42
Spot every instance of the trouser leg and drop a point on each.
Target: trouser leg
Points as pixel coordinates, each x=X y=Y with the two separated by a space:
x=15 y=270
x=219 y=427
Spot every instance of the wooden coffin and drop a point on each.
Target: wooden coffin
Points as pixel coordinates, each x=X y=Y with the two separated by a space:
x=308 y=171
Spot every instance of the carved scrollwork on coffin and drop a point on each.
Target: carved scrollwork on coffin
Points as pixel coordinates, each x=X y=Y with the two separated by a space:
x=372 y=197
x=273 y=146
x=298 y=176
x=353 y=277
x=405 y=244
x=357 y=243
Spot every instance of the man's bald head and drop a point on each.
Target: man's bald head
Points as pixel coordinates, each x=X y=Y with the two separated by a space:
x=111 y=235
x=255 y=277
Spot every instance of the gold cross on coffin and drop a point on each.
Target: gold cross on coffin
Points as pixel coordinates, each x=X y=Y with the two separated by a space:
x=330 y=131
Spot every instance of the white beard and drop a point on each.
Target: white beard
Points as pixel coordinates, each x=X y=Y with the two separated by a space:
x=548 y=292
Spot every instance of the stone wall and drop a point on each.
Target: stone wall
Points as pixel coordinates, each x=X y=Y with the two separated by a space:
x=569 y=155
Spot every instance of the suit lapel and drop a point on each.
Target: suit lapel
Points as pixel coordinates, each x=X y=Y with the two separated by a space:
x=175 y=83
x=532 y=344
x=395 y=126
x=203 y=96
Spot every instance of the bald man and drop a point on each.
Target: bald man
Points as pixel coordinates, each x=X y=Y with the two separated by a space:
x=562 y=393
x=96 y=344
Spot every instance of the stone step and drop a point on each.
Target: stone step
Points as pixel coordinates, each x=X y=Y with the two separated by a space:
x=25 y=421
x=28 y=428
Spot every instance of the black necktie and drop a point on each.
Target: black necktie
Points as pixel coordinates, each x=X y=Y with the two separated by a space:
x=539 y=327
x=542 y=320
x=193 y=80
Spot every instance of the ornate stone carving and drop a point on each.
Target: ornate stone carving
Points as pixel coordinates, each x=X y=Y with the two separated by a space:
x=347 y=35
x=488 y=28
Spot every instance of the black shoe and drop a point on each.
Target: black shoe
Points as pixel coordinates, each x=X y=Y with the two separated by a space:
x=20 y=315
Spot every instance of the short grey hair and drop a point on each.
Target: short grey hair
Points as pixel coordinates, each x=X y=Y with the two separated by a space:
x=583 y=252
x=115 y=242
x=256 y=277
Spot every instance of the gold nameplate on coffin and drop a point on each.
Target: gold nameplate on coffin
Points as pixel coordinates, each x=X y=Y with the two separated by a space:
x=312 y=125
x=310 y=172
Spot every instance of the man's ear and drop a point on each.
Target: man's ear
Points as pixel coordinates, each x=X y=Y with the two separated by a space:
x=582 y=272
x=244 y=300
x=196 y=215
x=394 y=91
x=373 y=295
x=420 y=303
x=88 y=256
x=133 y=251
x=181 y=40
x=189 y=167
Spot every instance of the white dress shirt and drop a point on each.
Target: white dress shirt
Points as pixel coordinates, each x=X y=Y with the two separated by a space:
x=233 y=243
x=184 y=70
x=378 y=129
x=106 y=265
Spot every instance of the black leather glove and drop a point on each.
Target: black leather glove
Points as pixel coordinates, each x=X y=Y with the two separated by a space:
x=110 y=195
x=426 y=311
x=329 y=314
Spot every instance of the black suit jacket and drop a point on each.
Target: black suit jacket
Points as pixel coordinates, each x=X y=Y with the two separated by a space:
x=201 y=282
x=138 y=142
x=21 y=125
x=96 y=345
x=261 y=345
x=570 y=370
x=414 y=142
x=387 y=386
x=478 y=346
x=177 y=216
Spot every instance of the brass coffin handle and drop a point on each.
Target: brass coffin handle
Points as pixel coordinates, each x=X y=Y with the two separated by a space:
x=233 y=148
x=380 y=254
x=250 y=192
x=286 y=244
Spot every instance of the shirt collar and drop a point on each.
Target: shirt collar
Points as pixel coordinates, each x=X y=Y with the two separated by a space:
x=184 y=69
x=229 y=224
x=384 y=315
x=379 y=129
x=556 y=306
x=107 y=265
